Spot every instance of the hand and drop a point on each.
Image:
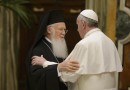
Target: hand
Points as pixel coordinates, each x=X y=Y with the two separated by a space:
x=38 y=60
x=68 y=66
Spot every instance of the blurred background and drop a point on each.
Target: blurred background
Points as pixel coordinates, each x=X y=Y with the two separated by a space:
x=19 y=22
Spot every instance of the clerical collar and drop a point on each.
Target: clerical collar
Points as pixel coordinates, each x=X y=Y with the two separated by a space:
x=48 y=39
x=91 y=31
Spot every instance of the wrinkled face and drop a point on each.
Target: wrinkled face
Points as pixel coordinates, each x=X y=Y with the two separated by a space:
x=83 y=27
x=80 y=27
x=57 y=30
x=56 y=33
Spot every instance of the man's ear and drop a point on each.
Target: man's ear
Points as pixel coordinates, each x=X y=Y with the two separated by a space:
x=83 y=24
x=48 y=29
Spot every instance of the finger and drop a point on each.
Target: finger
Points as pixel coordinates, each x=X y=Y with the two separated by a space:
x=33 y=62
x=43 y=58
x=73 y=68
x=33 y=57
x=74 y=62
x=74 y=65
x=41 y=55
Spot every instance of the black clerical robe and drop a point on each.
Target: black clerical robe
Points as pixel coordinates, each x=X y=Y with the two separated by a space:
x=45 y=78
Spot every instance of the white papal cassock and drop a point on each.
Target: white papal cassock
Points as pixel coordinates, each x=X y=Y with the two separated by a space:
x=99 y=61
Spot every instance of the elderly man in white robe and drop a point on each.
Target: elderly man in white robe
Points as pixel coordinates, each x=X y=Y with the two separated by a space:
x=97 y=56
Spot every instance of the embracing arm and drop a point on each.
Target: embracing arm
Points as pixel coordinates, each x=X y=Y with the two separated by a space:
x=40 y=60
x=69 y=66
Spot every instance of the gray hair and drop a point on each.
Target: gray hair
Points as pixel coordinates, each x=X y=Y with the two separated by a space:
x=91 y=22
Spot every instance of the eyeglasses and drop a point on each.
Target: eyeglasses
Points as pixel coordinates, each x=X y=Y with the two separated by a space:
x=65 y=30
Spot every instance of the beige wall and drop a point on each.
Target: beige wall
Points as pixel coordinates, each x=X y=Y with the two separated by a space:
x=106 y=10
x=111 y=19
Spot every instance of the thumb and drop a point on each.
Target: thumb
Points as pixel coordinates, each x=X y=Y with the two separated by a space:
x=41 y=55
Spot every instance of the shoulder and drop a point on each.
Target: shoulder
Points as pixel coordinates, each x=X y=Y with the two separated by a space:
x=38 y=49
x=93 y=40
x=89 y=40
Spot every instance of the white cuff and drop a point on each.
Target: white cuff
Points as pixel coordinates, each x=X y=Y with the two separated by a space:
x=46 y=63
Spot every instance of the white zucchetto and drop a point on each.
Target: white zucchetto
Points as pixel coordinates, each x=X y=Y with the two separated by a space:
x=89 y=14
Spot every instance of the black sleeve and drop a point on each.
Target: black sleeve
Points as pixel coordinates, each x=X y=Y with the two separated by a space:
x=44 y=78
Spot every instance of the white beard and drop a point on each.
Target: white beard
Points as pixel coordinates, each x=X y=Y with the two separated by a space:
x=59 y=48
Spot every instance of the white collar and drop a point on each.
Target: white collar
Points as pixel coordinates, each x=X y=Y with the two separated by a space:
x=91 y=31
x=48 y=39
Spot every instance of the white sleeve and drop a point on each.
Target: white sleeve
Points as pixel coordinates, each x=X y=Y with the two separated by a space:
x=69 y=77
x=77 y=55
x=46 y=63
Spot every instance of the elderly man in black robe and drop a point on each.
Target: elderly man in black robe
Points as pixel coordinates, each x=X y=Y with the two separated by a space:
x=51 y=45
